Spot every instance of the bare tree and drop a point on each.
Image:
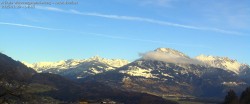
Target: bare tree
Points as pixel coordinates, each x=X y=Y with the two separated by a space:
x=11 y=91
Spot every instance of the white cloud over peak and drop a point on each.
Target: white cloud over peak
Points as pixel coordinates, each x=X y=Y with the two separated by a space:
x=169 y=58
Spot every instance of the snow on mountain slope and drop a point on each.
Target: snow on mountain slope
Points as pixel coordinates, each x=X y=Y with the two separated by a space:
x=164 y=78
x=93 y=66
x=110 y=62
x=62 y=65
x=137 y=71
x=69 y=64
x=222 y=62
x=171 y=51
x=170 y=56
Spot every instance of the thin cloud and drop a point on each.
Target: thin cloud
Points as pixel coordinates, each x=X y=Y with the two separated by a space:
x=144 y=40
x=50 y=9
x=141 y=19
x=169 y=58
x=29 y=26
x=100 y=35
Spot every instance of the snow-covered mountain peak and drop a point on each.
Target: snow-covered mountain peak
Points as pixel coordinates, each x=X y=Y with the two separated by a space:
x=171 y=51
x=27 y=64
x=96 y=58
x=110 y=62
x=221 y=62
x=204 y=57
x=72 y=63
x=212 y=58
x=63 y=64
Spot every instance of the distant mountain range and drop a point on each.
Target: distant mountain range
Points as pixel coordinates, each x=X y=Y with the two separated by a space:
x=95 y=65
x=224 y=63
x=163 y=72
x=168 y=72
x=76 y=69
x=22 y=85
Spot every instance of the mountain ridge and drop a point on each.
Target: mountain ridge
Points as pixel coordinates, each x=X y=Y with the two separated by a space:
x=72 y=63
x=161 y=54
x=158 y=74
x=22 y=85
x=222 y=62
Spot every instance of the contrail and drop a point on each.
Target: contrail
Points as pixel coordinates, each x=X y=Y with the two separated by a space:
x=29 y=26
x=148 y=20
x=100 y=35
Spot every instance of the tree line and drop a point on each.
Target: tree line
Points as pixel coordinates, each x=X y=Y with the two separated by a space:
x=232 y=98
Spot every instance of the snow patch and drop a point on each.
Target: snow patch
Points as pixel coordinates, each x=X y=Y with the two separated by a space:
x=167 y=75
x=221 y=62
x=233 y=83
x=137 y=71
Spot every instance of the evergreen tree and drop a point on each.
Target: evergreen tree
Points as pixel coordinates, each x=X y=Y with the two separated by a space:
x=245 y=96
x=231 y=98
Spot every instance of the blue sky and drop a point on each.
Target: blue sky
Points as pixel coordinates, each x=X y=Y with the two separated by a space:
x=124 y=28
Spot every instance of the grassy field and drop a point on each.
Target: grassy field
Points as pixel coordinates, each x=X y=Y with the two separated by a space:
x=195 y=100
